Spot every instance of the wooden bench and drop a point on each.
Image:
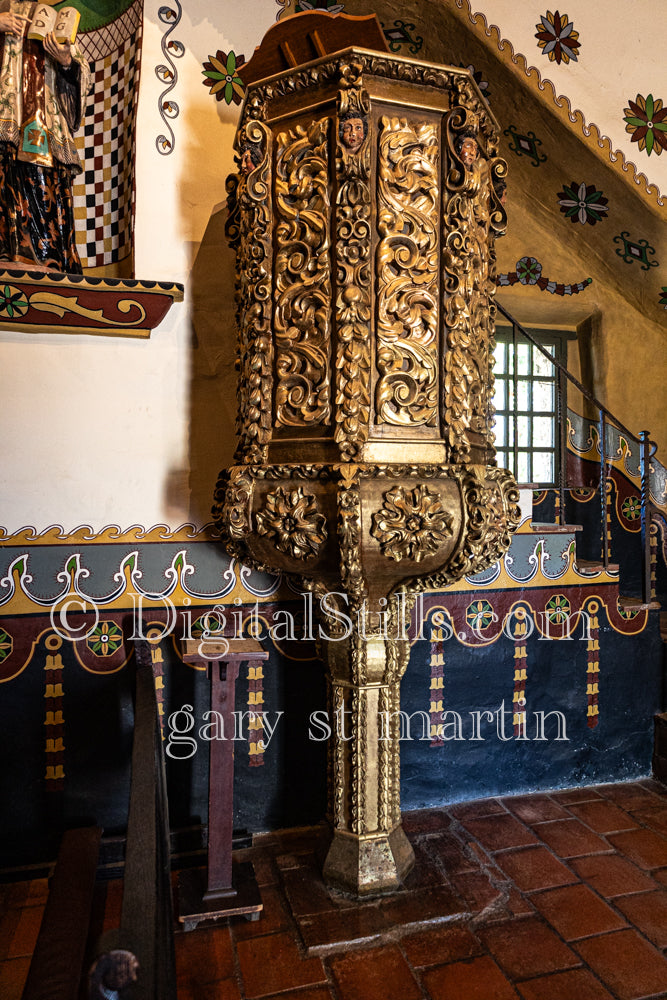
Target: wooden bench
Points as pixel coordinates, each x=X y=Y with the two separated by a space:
x=140 y=954
x=136 y=960
x=57 y=962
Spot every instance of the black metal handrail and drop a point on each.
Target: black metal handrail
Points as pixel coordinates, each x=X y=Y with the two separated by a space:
x=647 y=449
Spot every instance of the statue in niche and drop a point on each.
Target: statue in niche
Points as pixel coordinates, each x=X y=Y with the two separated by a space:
x=352 y=130
x=43 y=87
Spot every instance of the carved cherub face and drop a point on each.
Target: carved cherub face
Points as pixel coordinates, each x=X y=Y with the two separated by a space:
x=246 y=161
x=469 y=150
x=251 y=157
x=353 y=133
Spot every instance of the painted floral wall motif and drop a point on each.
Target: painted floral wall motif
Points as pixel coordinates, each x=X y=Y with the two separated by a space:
x=557 y=38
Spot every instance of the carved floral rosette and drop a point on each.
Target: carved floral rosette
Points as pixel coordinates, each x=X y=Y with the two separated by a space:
x=364 y=529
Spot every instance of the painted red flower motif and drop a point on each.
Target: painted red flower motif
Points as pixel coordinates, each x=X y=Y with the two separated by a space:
x=646 y=121
x=557 y=38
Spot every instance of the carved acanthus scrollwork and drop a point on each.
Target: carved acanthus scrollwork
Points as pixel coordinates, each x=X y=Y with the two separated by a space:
x=292 y=520
x=491 y=500
x=412 y=523
x=353 y=296
x=349 y=535
x=468 y=260
x=303 y=277
x=249 y=230
x=407 y=274
x=232 y=504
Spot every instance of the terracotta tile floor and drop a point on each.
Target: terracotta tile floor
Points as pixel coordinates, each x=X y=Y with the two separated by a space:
x=535 y=897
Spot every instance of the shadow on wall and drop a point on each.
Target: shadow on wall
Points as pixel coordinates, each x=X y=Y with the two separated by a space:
x=213 y=381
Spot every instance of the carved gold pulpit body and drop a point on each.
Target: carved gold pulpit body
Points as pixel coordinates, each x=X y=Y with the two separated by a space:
x=363 y=217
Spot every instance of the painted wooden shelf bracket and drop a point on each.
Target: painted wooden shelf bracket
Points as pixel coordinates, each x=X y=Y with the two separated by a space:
x=75 y=303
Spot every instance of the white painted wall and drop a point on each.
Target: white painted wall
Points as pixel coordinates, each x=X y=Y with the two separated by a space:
x=619 y=57
x=95 y=430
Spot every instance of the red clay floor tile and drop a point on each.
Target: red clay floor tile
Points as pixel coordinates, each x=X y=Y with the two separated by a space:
x=273 y=963
x=568 y=838
x=569 y=795
x=626 y=963
x=226 y=989
x=474 y=810
x=440 y=945
x=9 y=921
x=630 y=795
x=378 y=974
x=427 y=870
x=38 y=892
x=579 y=983
x=274 y=916
x=475 y=890
x=575 y=911
x=25 y=934
x=645 y=847
x=13 y=975
x=306 y=891
x=423 y=904
x=318 y=993
x=534 y=868
x=603 y=817
x=655 y=819
x=204 y=955
x=425 y=821
x=611 y=875
x=480 y=979
x=648 y=912
x=660 y=876
x=534 y=808
x=497 y=833
x=340 y=926
x=449 y=851
x=517 y=905
x=526 y=948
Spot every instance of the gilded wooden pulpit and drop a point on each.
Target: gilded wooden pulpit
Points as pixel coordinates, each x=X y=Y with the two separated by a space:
x=364 y=214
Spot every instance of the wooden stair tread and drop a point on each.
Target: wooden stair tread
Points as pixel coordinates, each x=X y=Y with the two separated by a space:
x=554 y=529
x=595 y=564
x=636 y=604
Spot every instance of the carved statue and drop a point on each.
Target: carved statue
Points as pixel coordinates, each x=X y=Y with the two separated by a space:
x=112 y=974
x=43 y=88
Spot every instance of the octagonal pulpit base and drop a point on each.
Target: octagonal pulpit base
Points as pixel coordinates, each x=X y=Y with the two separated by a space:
x=371 y=865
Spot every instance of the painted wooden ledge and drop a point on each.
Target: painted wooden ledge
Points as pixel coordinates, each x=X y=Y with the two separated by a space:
x=73 y=303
